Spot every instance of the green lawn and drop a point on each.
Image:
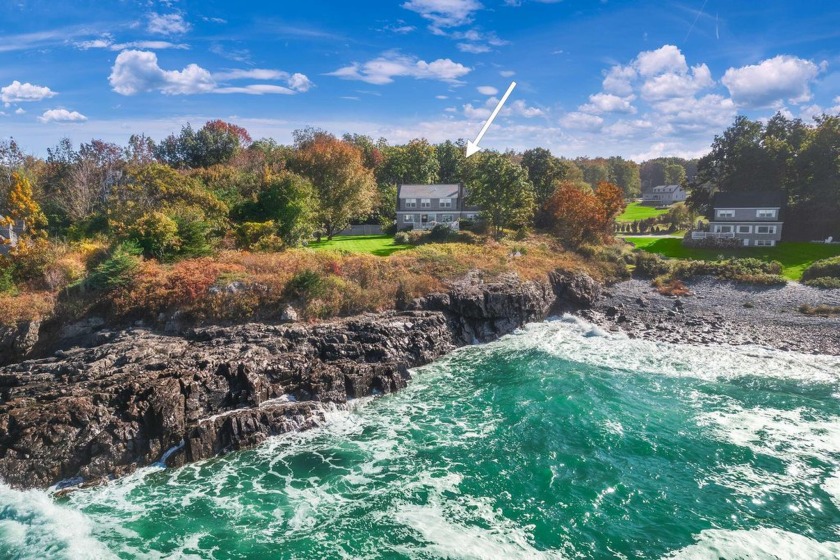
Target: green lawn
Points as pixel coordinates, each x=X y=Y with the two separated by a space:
x=379 y=245
x=635 y=211
x=795 y=257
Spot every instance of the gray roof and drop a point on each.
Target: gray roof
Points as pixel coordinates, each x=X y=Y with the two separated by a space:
x=429 y=191
x=764 y=199
x=665 y=188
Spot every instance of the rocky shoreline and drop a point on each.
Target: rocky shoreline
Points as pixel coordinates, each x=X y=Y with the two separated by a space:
x=134 y=397
x=719 y=312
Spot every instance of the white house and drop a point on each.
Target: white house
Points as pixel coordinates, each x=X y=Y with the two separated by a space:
x=664 y=195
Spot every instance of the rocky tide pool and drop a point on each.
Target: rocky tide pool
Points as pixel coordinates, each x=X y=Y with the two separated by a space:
x=559 y=441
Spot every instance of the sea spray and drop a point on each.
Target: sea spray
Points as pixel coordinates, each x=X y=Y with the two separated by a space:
x=559 y=441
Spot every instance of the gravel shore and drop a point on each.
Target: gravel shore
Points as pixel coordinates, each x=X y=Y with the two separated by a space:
x=722 y=313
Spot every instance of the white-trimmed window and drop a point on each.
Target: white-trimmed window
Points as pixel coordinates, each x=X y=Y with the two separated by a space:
x=744 y=229
x=425 y=203
x=409 y=218
x=767 y=230
x=726 y=213
x=765 y=213
x=472 y=216
x=411 y=203
x=723 y=229
x=446 y=203
x=764 y=243
x=446 y=218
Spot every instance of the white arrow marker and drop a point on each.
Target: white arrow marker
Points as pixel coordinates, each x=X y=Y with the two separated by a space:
x=472 y=147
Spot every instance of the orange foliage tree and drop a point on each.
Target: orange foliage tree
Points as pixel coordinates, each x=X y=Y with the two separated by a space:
x=345 y=188
x=578 y=217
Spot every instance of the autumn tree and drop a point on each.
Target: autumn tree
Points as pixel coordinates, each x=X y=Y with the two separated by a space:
x=579 y=217
x=214 y=143
x=344 y=187
x=502 y=189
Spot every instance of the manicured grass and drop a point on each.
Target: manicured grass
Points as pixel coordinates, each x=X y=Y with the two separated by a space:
x=635 y=211
x=795 y=257
x=379 y=245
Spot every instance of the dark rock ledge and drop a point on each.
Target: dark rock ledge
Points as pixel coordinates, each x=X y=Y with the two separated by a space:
x=135 y=396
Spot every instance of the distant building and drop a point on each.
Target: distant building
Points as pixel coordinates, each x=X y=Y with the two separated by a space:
x=9 y=234
x=664 y=195
x=424 y=206
x=753 y=218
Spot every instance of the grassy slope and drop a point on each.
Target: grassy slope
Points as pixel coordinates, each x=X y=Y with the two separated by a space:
x=635 y=211
x=379 y=245
x=795 y=257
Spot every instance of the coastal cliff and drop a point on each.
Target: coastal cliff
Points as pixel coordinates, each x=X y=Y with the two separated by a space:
x=134 y=397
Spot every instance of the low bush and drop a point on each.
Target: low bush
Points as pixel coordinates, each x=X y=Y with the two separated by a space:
x=824 y=273
x=750 y=271
x=824 y=282
x=824 y=310
x=439 y=233
x=402 y=238
x=118 y=269
x=651 y=265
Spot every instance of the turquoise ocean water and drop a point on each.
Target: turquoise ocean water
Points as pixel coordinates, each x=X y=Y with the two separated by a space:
x=559 y=441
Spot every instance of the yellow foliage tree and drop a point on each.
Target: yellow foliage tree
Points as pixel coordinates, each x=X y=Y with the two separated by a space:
x=22 y=207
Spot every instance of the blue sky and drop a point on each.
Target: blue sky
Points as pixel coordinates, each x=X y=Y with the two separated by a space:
x=595 y=77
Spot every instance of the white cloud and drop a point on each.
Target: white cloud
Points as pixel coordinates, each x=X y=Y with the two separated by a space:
x=166 y=24
x=507 y=73
x=61 y=115
x=473 y=48
x=689 y=114
x=444 y=13
x=256 y=89
x=771 y=81
x=107 y=42
x=138 y=71
x=487 y=90
x=17 y=92
x=476 y=112
x=619 y=80
x=630 y=128
x=581 y=121
x=520 y=108
x=20 y=111
x=441 y=97
x=677 y=84
x=384 y=69
x=608 y=103
x=251 y=73
x=667 y=58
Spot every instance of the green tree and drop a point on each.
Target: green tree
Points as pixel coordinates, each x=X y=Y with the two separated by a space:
x=451 y=161
x=502 y=189
x=289 y=201
x=413 y=163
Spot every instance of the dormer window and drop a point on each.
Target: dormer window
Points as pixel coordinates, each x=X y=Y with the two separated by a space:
x=726 y=213
x=446 y=203
x=411 y=203
x=765 y=214
x=425 y=203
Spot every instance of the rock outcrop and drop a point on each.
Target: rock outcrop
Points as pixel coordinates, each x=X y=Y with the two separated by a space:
x=137 y=397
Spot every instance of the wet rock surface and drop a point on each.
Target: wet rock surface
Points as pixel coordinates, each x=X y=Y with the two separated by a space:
x=135 y=396
x=719 y=312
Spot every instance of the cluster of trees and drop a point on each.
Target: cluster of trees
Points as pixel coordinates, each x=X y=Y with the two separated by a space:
x=667 y=171
x=786 y=155
x=176 y=197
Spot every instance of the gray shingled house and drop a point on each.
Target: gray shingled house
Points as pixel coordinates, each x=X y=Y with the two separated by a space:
x=424 y=206
x=754 y=218
x=9 y=236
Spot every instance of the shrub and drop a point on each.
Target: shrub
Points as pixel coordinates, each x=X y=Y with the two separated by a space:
x=671 y=287
x=249 y=234
x=118 y=269
x=306 y=284
x=825 y=268
x=825 y=282
x=439 y=233
x=824 y=310
x=402 y=238
x=7 y=281
x=651 y=265
x=193 y=237
x=156 y=234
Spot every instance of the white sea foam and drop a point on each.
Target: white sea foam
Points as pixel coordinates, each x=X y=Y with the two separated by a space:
x=33 y=526
x=756 y=544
